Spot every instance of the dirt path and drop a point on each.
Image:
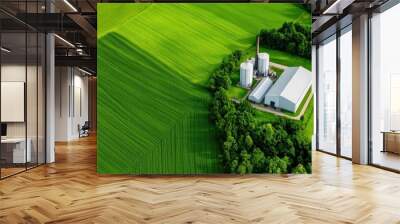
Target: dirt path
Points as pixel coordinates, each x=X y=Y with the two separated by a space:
x=279 y=113
x=261 y=107
x=276 y=65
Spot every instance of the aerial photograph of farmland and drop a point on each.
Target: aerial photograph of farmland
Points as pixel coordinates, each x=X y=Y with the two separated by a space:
x=190 y=88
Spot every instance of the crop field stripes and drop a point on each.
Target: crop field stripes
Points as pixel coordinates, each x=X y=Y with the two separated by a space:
x=170 y=129
x=175 y=154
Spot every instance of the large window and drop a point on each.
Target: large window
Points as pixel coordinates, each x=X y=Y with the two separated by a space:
x=385 y=89
x=334 y=106
x=346 y=92
x=327 y=95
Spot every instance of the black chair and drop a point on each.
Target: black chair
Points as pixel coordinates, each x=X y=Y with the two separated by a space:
x=84 y=130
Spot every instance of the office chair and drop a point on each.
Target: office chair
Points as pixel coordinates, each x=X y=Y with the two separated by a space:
x=84 y=130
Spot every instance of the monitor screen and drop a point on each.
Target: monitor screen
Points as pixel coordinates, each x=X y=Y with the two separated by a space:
x=3 y=129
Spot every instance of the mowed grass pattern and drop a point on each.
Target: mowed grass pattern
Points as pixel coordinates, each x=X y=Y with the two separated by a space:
x=153 y=66
x=164 y=127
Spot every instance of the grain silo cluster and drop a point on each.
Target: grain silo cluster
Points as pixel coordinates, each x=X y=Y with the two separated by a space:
x=259 y=67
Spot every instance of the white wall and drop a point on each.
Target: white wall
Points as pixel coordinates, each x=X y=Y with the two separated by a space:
x=287 y=104
x=82 y=82
x=12 y=73
x=9 y=73
x=269 y=99
x=62 y=83
x=80 y=112
x=71 y=102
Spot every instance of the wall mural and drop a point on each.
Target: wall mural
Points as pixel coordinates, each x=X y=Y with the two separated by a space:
x=204 y=88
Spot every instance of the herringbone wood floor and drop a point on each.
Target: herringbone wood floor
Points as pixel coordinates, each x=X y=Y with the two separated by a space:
x=70 y=191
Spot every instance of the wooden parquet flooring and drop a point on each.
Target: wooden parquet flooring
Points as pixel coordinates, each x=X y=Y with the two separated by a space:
x=70 y=191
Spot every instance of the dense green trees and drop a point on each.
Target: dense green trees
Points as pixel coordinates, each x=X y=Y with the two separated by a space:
x=220 y=77
x=250 y=146
x=299 y=169
x=294 y=38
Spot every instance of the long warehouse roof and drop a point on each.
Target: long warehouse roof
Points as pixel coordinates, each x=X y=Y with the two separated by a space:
x=259 y=92
x=291 y=84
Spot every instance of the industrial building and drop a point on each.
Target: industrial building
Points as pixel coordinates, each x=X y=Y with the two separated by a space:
x=263 y=64
x=290 y=89
x=258 y=94
x=246 y=74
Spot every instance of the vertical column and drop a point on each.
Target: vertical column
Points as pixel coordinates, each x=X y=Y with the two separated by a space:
x=92 y=103
x=50 y=92
x=360 y=90
x=62 y=103
x=338 y=91
x=314 y=90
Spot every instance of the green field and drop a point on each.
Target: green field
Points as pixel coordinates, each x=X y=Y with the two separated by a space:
x=278 y=71
x=309 y=118
x=287 y=59
x=281 y=57
x=237 y=92
x=154 y=61
x=262 y=116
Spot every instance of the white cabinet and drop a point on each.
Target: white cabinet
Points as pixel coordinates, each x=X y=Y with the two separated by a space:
x=19 y=154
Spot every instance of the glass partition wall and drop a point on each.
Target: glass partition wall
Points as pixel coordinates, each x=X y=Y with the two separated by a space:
x=22 y=98
x=13 y=89
x=334 y=90
x=385 y=89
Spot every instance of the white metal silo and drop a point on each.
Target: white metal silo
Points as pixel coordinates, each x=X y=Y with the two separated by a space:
x=252 y=61
x=246 y=74
x=263 y=63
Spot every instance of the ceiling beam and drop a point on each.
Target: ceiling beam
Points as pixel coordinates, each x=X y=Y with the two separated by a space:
x=86 y=26
x=49 y=22
x=80 y=61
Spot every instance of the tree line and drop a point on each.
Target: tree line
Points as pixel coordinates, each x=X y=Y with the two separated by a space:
x=294 y=38
x=250 y=146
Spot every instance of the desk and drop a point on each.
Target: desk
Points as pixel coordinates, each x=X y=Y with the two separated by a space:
x=391 y=141
x=17 y=150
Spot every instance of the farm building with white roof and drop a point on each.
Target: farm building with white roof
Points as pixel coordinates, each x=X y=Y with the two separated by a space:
x=258 y=94
x=290 y=89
